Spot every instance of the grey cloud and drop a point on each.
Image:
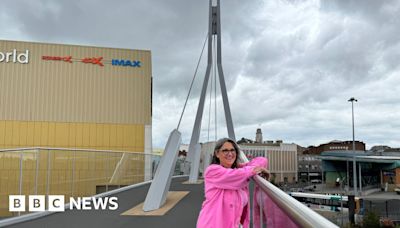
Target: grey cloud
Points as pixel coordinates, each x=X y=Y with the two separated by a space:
x=289 y=65
x=378 y=12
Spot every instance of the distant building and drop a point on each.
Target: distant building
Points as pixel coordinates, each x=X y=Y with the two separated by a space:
x=207 y=150
x=310 y=168
x=335 y=145
x=392 y=152
x=259 y=138
x=244 y=140
x=309 y=161
x=384 y=150
x=378 y=166
x=182 y=167
x=373 y=170
x=378 y=150
x=184 y=147
x=282 y=157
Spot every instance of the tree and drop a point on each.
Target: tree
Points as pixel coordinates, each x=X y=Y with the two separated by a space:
x=371 y=220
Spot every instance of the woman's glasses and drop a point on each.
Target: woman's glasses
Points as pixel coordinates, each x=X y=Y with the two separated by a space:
x=227 y=151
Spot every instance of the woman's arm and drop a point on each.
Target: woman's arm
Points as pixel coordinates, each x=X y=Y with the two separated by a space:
x=227 y=178
x=258 y=161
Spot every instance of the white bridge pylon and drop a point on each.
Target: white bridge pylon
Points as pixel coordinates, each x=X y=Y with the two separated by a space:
x=214 y=30
x=157 y=194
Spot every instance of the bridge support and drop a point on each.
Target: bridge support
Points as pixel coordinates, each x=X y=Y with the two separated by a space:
x=193 y=176
x=158 y=191
x=214 y=30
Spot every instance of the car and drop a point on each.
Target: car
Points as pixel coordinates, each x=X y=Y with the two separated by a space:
x=397 y=190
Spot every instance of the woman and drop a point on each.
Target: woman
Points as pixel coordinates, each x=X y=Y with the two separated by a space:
x=226 y=188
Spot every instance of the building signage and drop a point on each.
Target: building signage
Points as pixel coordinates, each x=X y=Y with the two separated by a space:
x=58 y=58
x=14 y=56
x=389 y=173
x=94 y=60
x=125 y=62
x=69 y=59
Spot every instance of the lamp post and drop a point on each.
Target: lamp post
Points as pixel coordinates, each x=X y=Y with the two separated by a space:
x=308 y=170
x=352 y=100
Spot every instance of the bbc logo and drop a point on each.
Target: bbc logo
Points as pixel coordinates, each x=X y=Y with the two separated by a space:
x=17 y=203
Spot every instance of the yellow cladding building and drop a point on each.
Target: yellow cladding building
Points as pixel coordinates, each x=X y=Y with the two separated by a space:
x=84 y=113
x=72 y=96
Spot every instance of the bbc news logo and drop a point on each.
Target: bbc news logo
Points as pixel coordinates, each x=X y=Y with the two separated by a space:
x=17 y=203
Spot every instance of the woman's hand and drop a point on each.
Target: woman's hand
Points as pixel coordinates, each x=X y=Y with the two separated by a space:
x=265 y=174
x=262 y=172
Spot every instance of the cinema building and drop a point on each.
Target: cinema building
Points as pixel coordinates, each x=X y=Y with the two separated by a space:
x=74 y=120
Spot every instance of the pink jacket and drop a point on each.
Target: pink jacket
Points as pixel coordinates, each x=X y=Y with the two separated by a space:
x=222 y=207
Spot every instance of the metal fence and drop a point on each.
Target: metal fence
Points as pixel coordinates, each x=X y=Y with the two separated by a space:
x=69 y=172
x=384 y=208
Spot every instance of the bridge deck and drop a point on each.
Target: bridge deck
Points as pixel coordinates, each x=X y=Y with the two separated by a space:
x=184 y=214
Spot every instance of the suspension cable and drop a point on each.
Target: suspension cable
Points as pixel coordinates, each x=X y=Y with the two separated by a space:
x=191 y=84
x=209 y=107
x=215 y=88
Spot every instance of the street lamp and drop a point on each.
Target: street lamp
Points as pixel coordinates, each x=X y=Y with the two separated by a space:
x=308 y=169
x=354 y=147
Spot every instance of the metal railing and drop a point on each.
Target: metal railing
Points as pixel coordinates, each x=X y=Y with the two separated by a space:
x=68 y=172
x=275 y=208
x=272 y=207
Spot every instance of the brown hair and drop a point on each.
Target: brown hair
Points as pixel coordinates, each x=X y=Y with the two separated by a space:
x=218 y=146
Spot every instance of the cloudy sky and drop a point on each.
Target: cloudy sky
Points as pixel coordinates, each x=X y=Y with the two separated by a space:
x=290 y=65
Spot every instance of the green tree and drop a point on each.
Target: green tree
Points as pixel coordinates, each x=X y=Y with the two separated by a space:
x=371 y=220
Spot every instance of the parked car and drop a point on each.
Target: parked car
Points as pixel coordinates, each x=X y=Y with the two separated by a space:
x=397 y=190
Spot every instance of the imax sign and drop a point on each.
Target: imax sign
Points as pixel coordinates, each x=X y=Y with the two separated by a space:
x=124 y=62
x=14 y=57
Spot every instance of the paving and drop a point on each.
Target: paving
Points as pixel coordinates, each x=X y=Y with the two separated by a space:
x=184 y=214
x=381 y=195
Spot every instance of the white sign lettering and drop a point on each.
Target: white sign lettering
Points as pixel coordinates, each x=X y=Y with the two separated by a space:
x=14 y=57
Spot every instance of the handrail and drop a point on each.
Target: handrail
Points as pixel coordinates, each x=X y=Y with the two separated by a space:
x=68 y=149
x=302 y=215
